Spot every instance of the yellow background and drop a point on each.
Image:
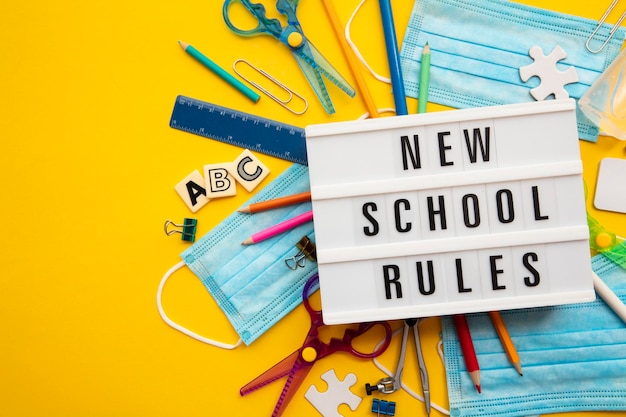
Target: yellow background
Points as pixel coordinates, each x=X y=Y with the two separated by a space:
x=88 y=167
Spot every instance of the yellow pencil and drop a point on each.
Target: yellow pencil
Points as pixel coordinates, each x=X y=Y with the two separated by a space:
x=505 y=338
x=352 y=62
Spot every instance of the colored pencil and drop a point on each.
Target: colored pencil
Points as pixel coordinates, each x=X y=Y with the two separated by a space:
x=220 y=72
x=505 y=338
x=279 y=228
x=467 y=347
x=424 y=80
x=352 y=61
x=277 y=202
x=391 y=43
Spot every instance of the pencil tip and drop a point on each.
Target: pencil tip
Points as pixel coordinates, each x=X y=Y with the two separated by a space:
x=183 y=44
x=478 y=389
x=426 y=49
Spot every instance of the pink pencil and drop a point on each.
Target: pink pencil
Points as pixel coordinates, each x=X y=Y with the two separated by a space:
x=279 y=228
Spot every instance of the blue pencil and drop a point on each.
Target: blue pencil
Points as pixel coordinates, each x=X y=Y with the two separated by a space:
x=393 y=57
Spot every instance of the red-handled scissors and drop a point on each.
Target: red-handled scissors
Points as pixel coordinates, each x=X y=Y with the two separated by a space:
x=297 y=365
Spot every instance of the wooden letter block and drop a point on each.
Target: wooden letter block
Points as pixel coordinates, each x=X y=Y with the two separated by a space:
x=192 y=190
x=248 y=170
x=218 y=180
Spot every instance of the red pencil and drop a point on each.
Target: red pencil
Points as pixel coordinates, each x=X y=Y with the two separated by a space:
x=467 y=347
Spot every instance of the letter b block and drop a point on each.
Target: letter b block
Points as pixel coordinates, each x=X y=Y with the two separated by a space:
x=218 y=181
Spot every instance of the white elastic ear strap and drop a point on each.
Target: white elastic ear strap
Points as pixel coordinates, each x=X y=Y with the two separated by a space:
x=363 y=61
x=178 y=326
x=356 y=50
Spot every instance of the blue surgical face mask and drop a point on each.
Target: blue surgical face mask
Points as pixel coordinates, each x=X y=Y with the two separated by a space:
x=478 y=46
x=572 y=356
x=251 y=283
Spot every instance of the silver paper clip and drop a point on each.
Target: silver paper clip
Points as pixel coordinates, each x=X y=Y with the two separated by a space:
x=600 y=23
x=283 y=102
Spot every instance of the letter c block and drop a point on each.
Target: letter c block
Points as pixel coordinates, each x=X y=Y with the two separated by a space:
x=248 y=170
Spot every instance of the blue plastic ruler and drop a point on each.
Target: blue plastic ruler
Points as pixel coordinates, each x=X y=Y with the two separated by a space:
x=240 y=129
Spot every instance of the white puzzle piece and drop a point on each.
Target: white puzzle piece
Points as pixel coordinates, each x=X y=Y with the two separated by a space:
x=338 y=393
x=552 y=79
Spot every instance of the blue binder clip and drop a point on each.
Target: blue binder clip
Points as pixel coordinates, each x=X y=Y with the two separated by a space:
x=188 y=232
x=383 y=408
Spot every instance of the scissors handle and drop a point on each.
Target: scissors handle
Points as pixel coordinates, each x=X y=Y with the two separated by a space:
x=288 y=8
x=345 y=343
x=351 y=334
x=265 y=25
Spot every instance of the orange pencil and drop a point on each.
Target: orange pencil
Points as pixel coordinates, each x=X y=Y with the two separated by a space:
x=277 y=202
x=505 y=338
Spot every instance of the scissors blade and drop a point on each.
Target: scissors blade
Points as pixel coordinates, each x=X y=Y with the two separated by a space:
x=315 y=58
x=295 y=379
x=316 y=81
x=277 y=371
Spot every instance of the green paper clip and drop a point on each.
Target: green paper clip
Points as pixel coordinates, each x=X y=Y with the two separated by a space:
x=188 y=232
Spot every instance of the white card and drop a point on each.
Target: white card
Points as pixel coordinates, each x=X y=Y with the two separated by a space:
x=610 y=188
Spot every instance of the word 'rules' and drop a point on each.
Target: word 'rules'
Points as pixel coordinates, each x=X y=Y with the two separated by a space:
x=450 y=212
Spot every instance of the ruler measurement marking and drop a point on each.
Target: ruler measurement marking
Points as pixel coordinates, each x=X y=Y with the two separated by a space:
x=239 y=129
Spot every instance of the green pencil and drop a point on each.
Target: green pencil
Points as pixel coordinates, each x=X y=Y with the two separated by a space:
x=219 y=71
x=424 y=78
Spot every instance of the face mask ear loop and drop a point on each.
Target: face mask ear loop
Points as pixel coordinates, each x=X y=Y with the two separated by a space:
x=356 y=50
x=178 y=326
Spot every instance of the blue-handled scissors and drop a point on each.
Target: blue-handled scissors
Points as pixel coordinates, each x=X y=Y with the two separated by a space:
x=297 y=365
x=310 y=60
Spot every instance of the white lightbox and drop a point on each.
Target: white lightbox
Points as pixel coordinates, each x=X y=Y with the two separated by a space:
x=450 y=212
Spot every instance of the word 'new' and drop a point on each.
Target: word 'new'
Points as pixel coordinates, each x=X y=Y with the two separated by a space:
x=476 y=144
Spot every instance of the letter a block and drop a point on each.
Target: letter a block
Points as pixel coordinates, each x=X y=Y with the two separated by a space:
x=192 y=190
